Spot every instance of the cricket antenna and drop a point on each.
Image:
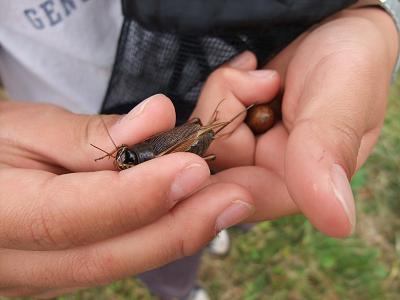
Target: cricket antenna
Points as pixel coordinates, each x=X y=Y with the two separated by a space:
x=108 y=133
x=215 y=113
x=234 y=118
x=109 y=155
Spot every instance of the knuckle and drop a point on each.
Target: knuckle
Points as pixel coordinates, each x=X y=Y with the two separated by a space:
x=40 y=229
x=343 y=137
x=181 y=249
x=87 y=129
x=177 y=239
x=348 y=144
x=128 y=214
x=148 y=203
x=182 y=227
x=237 y=191
x=42 y=222
x=49 y=221
x=223 y=75
x=92 y=129
x=31 y=224
x=92 y=268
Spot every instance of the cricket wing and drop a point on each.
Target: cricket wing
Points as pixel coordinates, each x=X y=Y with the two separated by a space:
x=181 y=146
x=164 y=141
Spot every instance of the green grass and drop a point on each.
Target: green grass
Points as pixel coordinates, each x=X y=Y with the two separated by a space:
x=288 y=259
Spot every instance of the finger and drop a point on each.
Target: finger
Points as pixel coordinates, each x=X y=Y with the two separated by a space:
x=50 y=294
x=39 y=210
x=185 y=230
x=232 y=85
x=37 y=293
x=64 y=138
x=271 y=149
x=266 y=182
x=329 y=139
x=269 y=192
x=133 y=128
x=236 y=79
x=21 y=292
x=233 y=150
x=238 y=89
x=244 y=61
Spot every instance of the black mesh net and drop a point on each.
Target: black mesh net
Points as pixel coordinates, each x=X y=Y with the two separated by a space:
x=177 y=64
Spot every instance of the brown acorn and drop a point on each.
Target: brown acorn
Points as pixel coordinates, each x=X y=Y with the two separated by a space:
x=261 y=117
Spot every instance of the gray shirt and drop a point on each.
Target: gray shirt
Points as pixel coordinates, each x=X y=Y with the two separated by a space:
x=59 y=51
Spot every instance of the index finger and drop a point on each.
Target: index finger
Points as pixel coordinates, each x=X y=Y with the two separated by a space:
x=42 y=211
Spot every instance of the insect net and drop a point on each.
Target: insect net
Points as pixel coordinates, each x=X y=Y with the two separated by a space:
x=171 y=46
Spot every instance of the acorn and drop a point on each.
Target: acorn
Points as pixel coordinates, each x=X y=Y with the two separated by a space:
x=262 y=117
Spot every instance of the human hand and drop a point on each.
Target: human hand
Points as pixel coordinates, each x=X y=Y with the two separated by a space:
x=240 y=85
x=228 y=91
x=336 y=78
x=68 y=222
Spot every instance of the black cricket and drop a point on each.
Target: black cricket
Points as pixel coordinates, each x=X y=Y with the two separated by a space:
x=192 y=137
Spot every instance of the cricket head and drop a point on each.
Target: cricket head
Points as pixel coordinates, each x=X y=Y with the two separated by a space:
x=125 y=158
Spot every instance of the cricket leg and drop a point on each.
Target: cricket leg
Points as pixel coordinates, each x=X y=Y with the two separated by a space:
x=215 y=114
x=195 y=121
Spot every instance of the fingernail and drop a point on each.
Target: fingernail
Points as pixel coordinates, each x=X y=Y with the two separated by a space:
x=138 y=109
x=236 y=212
x=187 y=181
x=135 y=112
x=342 y=189
x=240 y=60
x=263 y=73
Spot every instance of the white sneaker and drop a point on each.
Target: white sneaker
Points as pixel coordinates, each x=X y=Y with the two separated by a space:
x=198 y=293
x=221 y=244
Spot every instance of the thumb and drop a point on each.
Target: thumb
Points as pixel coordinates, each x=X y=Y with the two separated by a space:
x=107 y=132
x=110 y=132
x=335 y=125
x=60 y=138
x=317 y=174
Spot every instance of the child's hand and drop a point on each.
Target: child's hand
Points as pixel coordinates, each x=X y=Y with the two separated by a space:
x=335 y=79
x=67 y=222
x=230 y=89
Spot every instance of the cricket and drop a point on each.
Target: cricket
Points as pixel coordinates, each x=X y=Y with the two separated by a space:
x=191 y=136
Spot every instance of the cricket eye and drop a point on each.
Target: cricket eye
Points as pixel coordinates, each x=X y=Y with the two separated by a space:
x=126 y=157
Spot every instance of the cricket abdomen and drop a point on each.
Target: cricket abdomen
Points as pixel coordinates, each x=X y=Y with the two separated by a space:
x=144 y=152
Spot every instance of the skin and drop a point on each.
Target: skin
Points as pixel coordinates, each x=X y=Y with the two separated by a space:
x=94 y=225
x=336 y=78
x=68 y=222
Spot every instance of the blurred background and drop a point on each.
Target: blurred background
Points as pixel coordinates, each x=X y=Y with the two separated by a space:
x=288 y=259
